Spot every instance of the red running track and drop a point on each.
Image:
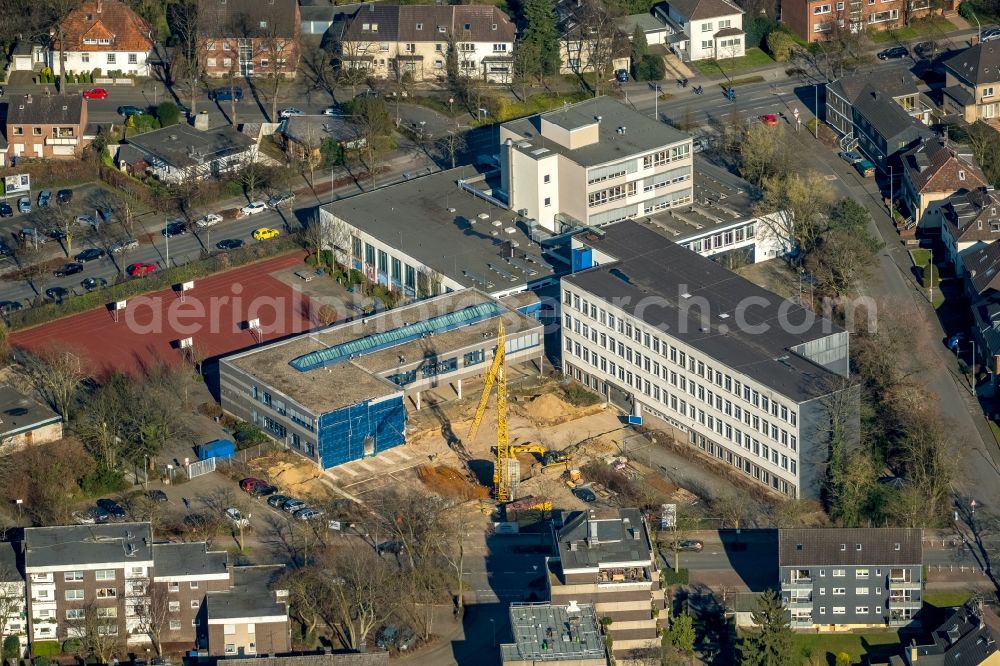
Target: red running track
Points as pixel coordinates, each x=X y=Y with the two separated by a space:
x=214 y=314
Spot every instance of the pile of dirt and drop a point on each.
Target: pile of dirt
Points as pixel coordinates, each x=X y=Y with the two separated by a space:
x=547 y=407
x=449 y=482
x=294 y=478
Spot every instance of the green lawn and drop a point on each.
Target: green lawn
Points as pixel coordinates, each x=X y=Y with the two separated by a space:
x=949 y=599
x=922 y=260
x=728 y=66
x=822 y=646
x=930 y=26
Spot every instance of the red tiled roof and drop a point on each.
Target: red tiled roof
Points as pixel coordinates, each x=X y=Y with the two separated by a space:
x=105 y=19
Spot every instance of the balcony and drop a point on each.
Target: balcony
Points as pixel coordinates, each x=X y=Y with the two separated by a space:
x=800 y=602
x=54 y=141
x=797 y=584
x=802 y=622
x=901 y=602
x=900 y=584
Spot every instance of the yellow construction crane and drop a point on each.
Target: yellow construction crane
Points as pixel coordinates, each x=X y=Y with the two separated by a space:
x=497 y=375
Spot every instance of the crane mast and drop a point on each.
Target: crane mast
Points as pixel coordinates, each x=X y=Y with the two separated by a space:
x=497 y=375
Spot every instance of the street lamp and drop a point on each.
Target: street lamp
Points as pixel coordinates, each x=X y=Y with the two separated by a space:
x=656 y=101
x=979 y=36
x=170 y=473
x=20 y=503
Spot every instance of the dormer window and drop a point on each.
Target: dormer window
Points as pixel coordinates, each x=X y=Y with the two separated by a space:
x=263 y=24
x=857 y=547
x=468 y=26
x=495 y=26
x=442 y=29
x=89 y=18
x=843 y=547
x=896 y=547
x=961 y=175
x=420 y=26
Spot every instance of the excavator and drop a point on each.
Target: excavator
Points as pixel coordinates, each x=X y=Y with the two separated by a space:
x=547 y=457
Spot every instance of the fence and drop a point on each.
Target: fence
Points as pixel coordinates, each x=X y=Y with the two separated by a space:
x=201 y=467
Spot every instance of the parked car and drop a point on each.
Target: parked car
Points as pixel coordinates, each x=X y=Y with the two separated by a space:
x=333 y=111
x=157 y=496
x=253 y=208
x=95 y=93
x=10 y=307
x=263 y=489
x=127 y=111
x=925 y=49
x=309 y=513
x=86 y=220
x=865 y=168
x=393 y=547
x=281 y=199
x=990 y=34
x=289 y=112
x=292 y=505
x=44 y=197
x=893 y=53
x=265 y=233
x=31 y=235
x=140 y=268
x=236 y=518
x=851 y=157
x=689 y=545
x=769 y=119
x=124 y=246
x=585 y=494
x=209 y=220
x=229 y=244
x=91 y=516
x=90 y=284
x=90 y=254
x=105 y=213
x=226 y=94
x=247 y=485
x=174 y=228
x=277 y=500
x=24 y=205
x=56 y=234
x=113 y=508
x=6 y=210
x=64 y=196
x=71 y=268
x=56 y=293
x=954 y=342
x=621 y=76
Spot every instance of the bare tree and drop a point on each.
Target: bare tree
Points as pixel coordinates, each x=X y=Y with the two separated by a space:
x=353 y=63
x=276 y=47
x=11 y=599
x=362 y=593
x=794 y=211
x=56 y=374
x=451 y=144
x=153 y=613
x=603 y=40
x=253 y=175
x=188 y=55
x=96 y=630
x=316 y=66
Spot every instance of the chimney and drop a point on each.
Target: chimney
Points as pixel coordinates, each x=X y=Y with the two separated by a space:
x=913 y=651
x=100 y=4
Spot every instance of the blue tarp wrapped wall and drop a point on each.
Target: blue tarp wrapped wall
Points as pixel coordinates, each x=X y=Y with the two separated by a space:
x=342 y=433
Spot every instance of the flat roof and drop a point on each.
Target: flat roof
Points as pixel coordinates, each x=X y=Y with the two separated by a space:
x=187 y=559
x=20 y=413
x=462 y=236
x=353 y=378
x=250 y=596
x=588 y=539
x=642 y=134
x=548 y=632
x=69 y=545
x=690 y=294
x=720 y=199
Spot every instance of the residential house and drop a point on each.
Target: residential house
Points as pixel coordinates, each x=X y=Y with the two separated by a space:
x=652 y=26
x=179 y=152
x=592 y=163
x=606 y=560
x=972 y=83
x=251 y=617
x=552 y=634
x=713 y=28
x=820 y=20
x=751 y=401
x=934 y=170
x=183 y=574
x=46 y=126
x=879 y=111
x=981 y=270
x=103 y=35
x=838 y=579
x=24 y=421
x=249 y=38
x=964 y=637
x=26 y=56
x=411 y=42
x=307 y=134
x=969 y=221
x=590 y=40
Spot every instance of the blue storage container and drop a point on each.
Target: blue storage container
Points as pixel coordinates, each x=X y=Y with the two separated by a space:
x=219 y=448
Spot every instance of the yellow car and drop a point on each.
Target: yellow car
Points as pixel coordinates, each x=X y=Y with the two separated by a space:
x=264 y=233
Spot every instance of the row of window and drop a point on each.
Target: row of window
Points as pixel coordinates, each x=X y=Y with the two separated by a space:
x=77 y=595
x=112 y=59
x=723 y=24
x=676 y=356
x=263 y=63
x=81 y=613
x=400 y=273
x=742 y=463
x=101 y=574
x=610 y=194
x=659 y=158
x=842 y=610
x=373 y=27
x=723 y=239
x=58 y=132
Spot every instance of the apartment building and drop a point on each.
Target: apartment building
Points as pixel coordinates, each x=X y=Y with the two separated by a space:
x=251 y=617
x=46 y=126
x=820 y=20
x=412 y=41
x=881 y=112
x=934 y=170
x=970 y=220
x=183 y=574
x=592 y=163
x=84 y=577
x=606 y=559
x=838 y=579
x=13 y=595
x=751 y=381
x=103 y=35
x=972 y=83
x=249 y=38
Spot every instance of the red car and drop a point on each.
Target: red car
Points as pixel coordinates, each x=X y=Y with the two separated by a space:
x=247 y=485
x=96 y=93
x=769 y=119
x=137 y=269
